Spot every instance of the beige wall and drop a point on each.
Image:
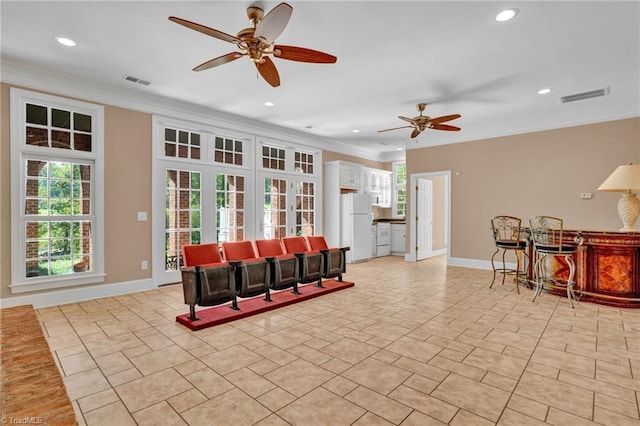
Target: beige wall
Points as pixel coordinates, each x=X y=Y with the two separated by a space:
x=438 y=219
x=127 y=191
x=335 y=156
x=540 y=173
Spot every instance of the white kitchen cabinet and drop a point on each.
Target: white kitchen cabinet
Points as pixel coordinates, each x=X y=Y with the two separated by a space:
x=351 y=176
x=339 y=177
x=377 y=183
x=398 y=238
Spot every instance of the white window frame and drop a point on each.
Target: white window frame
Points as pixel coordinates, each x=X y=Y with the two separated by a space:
x=20 y=151
x=396 y=187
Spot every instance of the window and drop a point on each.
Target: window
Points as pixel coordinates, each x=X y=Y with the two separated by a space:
x=57 y=180
x=399 y=190
x=273 y=158
x=228 y=151
x=181 y=144
x=303 y=162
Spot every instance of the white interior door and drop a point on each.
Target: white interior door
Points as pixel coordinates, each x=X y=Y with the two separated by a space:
x=424 y=218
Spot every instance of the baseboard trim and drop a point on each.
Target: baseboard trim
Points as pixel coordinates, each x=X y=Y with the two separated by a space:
x=53 y=298
x=476 y=264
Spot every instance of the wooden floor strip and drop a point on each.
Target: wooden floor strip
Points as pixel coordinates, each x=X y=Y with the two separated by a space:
x=33 y=391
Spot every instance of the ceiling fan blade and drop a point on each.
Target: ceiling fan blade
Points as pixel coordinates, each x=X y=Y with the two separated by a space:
x=268 y=71
x=220 y=60
x=445 y=127
x=415 y=133
x=438 y=120
x=301 y=54
x=273 y=23
x=395 y=128
x=206 y=30
x=410 y=120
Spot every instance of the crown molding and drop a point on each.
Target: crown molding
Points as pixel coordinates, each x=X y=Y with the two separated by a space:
x=92 y=91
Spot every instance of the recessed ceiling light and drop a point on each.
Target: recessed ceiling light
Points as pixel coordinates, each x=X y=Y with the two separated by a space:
x=506 y=15
x=65 y=41
x=355 y=131
x=544 y=91
x=399 y=149
x=269 y=104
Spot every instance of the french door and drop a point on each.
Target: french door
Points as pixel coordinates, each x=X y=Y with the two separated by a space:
x=288 y=205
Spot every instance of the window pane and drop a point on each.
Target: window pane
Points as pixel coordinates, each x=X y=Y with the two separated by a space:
x=82 y=142
x=60 y=118
x=37 y=114
x=37 y=137
x=81 y=122
x=170 y=135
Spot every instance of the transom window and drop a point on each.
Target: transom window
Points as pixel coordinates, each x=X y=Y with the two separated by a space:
x=181 y=144
x=228 y=151
x=57 y=128
x=303 y=162
x=273 y=158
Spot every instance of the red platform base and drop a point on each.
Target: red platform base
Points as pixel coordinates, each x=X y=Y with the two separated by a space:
x=221 y=314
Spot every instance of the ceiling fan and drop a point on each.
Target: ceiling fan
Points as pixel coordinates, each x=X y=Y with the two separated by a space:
x=422 y=122
x=258 y=41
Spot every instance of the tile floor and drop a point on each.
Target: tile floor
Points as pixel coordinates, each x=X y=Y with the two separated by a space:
x=411 y=344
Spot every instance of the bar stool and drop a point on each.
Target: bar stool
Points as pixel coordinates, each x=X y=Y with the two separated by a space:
x=508 y=236
x=546 y=233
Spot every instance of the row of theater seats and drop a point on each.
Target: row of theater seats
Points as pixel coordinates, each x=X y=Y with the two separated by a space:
x=212 y=274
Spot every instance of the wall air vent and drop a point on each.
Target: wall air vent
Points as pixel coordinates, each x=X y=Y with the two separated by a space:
x=137 y=80
x=584 y=95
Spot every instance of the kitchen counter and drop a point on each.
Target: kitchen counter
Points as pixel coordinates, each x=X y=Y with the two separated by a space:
x=387 y=220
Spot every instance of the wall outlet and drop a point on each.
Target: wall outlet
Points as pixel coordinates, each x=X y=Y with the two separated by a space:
x=585 y=195
x=144 y=265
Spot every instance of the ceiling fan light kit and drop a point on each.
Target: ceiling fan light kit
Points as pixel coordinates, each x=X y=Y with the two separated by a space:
x=258 y=42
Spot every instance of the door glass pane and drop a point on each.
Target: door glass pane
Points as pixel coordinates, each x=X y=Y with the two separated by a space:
x=182 y=214
x=230 y=208
x=275 y=208
x=305 y=208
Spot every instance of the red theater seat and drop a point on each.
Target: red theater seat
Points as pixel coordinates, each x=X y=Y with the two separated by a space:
x=253 y=274
x=284 y=266
x=310 y=262
x=206 y=279
x=335 y=262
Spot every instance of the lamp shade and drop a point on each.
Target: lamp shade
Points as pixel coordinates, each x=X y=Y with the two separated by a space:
x=625 y=178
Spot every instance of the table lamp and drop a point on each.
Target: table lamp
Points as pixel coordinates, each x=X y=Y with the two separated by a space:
x=625 y=179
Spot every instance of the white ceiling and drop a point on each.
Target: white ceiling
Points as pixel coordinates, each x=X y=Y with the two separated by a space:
x=391 y=55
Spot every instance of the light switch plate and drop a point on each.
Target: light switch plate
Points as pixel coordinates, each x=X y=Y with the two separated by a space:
x=585 y=195
x=142 y=216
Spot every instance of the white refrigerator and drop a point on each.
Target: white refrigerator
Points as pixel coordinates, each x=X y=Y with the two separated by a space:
x=355 y=225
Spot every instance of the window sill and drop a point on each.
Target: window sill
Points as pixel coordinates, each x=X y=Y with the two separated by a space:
x=61 y=282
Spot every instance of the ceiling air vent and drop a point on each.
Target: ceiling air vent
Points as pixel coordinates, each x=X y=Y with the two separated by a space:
x=584 y=95
x=137 y=80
